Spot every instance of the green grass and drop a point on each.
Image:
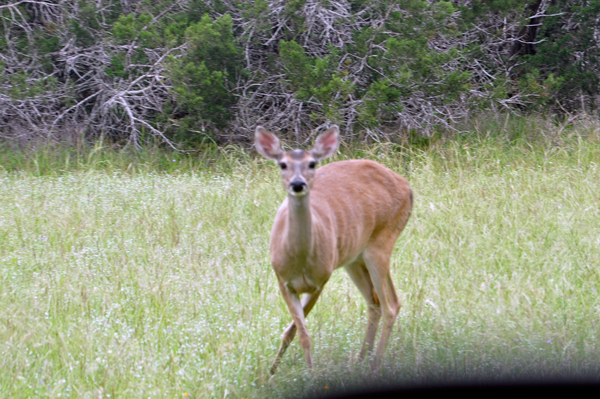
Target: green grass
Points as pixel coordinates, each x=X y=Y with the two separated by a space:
x=148 y=277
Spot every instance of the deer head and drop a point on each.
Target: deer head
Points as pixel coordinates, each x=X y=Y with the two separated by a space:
x=297 y=166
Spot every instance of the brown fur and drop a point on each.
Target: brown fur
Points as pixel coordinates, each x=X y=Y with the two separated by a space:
x=349 y=215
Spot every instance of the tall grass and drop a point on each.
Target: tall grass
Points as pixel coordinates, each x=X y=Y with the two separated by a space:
x=150 y=276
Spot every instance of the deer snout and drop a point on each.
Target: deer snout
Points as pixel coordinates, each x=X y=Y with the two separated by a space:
x=297 y=187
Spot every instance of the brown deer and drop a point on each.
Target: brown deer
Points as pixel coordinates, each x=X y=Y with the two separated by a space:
x=345 y=214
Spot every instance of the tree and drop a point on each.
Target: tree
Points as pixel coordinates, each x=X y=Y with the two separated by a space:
x=204 y=77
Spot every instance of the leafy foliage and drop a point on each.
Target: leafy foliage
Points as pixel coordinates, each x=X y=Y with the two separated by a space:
x=184 y=70
x=203 y=78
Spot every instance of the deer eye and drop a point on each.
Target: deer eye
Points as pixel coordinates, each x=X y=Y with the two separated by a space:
x=312 y=164
x=282 y=165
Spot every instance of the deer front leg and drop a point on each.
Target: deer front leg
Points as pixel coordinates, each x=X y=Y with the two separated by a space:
x=297 y=310
x=308 y=302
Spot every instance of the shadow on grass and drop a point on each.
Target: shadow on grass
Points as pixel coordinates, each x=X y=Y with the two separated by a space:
x=524 y=388
x=446 y=381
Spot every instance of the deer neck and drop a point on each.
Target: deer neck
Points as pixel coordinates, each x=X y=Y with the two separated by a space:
x=299 y=232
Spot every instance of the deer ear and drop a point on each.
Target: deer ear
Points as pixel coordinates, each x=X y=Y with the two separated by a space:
x=327 y=143
x=267 y=144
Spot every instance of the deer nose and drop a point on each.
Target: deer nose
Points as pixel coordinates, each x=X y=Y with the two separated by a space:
x=297 y=186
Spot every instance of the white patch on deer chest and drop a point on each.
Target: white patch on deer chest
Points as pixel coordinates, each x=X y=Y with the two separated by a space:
x=302 y=284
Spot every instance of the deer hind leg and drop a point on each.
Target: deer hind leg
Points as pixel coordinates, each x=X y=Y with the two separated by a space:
x=377 y=260
x=360 y=276
x=308 y=302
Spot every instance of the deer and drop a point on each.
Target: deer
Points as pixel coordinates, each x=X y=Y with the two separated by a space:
x=346 y=214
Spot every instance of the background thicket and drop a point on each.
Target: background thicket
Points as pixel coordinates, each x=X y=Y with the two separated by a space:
x=186 y=71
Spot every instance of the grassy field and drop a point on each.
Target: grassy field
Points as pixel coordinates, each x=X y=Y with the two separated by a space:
x=152 y=278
